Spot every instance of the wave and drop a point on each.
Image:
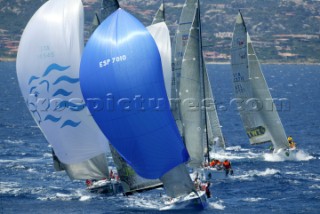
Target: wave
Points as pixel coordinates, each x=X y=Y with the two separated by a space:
x=45 y=81
x=52 y=118
x=9 y=188
x=299 y=155
x=234 y=153
x=54 y=66
x=255 y=173
x=14 y=141
x=32 y=78
x=253 y=199
x=218 y=205
x=62 y=92
x=31 y=89
x=70 y=123
x=236 y=148
x=67 y=79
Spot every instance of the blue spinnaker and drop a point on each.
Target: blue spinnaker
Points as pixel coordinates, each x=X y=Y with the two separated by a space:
x=122 y=82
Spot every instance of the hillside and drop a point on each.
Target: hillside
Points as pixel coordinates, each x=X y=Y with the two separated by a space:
x=286 y=31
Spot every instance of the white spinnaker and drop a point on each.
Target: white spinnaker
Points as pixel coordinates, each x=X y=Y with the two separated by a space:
x=48 y=63
x=161 y=35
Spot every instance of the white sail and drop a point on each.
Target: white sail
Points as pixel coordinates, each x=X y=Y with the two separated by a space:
x=213 y=127
x=48 y=63
x=181 y=38
x=257 y=110
x=177 y=181
x=190 y=96
x=161 y=35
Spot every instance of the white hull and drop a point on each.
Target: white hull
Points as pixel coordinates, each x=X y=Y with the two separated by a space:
x=213 y=174
x=287 y=153
x=191 y=202
x=106 y=187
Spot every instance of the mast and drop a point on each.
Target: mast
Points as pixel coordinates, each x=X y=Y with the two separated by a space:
x=203 y=92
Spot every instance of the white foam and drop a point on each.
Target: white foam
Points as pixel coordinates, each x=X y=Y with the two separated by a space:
x=218 y=205
x=252 y=173
x=151 y=200
x=14 y=141
x=236 y=148
x=315 y=186
x=253 y=199
x=47 y=155
x=9 y=188
x=85 y=198
x=294 y=156
x=235 y=153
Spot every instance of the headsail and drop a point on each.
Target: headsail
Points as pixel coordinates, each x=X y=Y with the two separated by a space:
x=161 y=35
x=48 y=63
x=144 y=133
x=257 y=110
x=213 y=127
x=160 y=15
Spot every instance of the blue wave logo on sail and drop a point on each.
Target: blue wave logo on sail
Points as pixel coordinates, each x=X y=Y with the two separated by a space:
x=43 y=87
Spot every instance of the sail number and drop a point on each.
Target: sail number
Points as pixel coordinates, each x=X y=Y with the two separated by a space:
x=112 y=60
x=257 y=131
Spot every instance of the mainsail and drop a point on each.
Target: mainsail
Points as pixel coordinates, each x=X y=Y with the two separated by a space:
x=121 y=67
x=182 y=35
x=257 y=109
x=48 y=63
x=190 y=95
x=200 y=124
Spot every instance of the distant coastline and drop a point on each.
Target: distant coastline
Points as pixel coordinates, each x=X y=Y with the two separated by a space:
x=11 y=59
x=7 y=59
x=271 y=63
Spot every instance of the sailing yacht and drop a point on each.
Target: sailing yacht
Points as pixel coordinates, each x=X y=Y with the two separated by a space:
x=121 y=65
x=48 y=63
x=261 y=121
x=130 y=181
x=199 y=125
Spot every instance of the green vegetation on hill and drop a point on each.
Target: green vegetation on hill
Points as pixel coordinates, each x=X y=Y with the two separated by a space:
x=282 y=30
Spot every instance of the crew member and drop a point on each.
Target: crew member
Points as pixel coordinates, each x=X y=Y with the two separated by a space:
x=208 y=193
x=227 y=167
x=292 y=144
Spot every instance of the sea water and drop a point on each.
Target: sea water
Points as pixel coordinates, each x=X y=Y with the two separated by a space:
x=261 y=183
